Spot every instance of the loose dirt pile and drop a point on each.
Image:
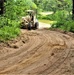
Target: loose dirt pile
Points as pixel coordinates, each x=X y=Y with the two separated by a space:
x=7 y=46
x=38 y=52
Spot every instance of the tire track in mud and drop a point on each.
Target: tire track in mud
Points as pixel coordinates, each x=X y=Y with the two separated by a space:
x=59 y=61
x=29 y=51
x=52 y=65
x=45 y=51
x=55 y=65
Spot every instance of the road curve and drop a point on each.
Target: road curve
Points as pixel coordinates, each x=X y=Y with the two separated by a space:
x=46 y=53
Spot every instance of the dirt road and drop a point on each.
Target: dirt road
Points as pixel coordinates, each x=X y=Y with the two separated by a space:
x=44 y=52
x=44 y=25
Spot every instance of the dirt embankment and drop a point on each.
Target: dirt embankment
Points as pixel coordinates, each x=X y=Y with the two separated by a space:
x=43 y=52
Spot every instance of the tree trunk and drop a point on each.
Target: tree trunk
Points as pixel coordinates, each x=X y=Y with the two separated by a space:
x=1 y=7
x=73 y=10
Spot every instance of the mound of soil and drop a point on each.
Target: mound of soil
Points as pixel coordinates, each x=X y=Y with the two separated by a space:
x=16 y=43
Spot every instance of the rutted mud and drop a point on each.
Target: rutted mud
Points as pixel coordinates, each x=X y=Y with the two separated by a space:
x=43 y=52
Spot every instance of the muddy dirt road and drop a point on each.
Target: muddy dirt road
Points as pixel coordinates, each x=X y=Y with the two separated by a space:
x=44 y=52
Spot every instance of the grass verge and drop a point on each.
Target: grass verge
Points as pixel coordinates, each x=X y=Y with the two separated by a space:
x=46 y=21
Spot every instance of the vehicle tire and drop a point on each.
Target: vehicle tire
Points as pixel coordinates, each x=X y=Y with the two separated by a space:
x=36 y=25
x=29 y=26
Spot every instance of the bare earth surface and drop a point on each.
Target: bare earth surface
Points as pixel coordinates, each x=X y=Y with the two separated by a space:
x=44 y=25
x=38 y=52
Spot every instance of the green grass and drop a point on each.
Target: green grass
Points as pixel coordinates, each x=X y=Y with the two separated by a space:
x=47 y=21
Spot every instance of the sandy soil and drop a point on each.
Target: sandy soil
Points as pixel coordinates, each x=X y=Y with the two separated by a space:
x=38 y=52
x=44 y=25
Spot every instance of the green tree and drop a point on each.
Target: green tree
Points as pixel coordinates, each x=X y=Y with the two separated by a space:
x=10 y=20
x=54 y=5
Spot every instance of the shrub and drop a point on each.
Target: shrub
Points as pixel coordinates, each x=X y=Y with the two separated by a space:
x=10 y=21
x=69 y=26
x=64 y=21
x=7 y=33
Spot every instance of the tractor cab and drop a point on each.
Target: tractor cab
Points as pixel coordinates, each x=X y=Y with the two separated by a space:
x=31 y=13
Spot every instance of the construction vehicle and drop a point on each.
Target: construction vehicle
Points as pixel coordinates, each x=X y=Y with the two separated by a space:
x=30 y=21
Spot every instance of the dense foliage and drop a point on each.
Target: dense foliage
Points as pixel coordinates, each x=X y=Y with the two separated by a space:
x=15 y=9
x=62 y=13
x=10 y=21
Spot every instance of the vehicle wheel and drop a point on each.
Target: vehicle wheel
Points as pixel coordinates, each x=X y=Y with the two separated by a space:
x=36 y=25
x=29 y=26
